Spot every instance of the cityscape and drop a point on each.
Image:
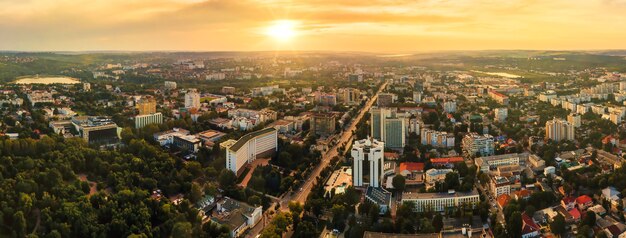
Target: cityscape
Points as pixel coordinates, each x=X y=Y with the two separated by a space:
x=327 y=119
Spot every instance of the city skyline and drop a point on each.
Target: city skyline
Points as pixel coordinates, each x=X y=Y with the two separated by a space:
x=310 y=25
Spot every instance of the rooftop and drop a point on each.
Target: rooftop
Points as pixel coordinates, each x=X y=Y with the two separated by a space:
x=244 y=139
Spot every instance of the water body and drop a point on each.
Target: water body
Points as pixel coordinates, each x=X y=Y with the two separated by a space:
x=501 y=74
x=47 y=80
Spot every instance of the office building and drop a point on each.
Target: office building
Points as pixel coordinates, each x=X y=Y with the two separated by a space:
x=474 y=144
x=96 y=129
x=147 y=119
x=386 y=99
x=372 y=151
x=380 y=197
x=487 y=163
x=387 y=127
x=323 y=124
x=439 y=202
x=250 y=147
x=192 y=98
x=187 y=143
x=559 y=129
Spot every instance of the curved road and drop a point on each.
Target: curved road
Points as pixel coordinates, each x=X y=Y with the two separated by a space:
x=304 y=191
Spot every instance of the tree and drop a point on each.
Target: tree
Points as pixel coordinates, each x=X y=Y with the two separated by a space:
x=181 y=229
x=254 y=200
x=304 y=230
x=398 y=182
x=590 y=219
x=227 y=179
x=558 y=225
x=438 y=222
x=514 y=224
x=426 y=226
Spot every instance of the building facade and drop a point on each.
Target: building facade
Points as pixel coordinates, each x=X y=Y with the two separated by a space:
x=250 y=147
x=373 y=151
x=559 y=129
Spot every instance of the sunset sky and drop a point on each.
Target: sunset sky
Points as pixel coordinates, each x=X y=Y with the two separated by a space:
x=338 y=25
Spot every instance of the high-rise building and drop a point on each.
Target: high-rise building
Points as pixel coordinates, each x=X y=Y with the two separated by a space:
x=146 y=105
x=323 y=124
x=386 y=126
x=192 y=98
x=86 y=87
x=473 y=144
x=574 y=119
x=386 y=99
x=449 y=106
x=373 y=151
x=349 y=96
x=417 y=97
x=559 y=129
x=500 y=114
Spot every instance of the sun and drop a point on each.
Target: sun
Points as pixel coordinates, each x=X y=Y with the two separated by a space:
x=282 y=30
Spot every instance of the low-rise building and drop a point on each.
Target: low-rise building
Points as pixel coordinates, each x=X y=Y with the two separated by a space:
x=438 y=202
x=237 y=216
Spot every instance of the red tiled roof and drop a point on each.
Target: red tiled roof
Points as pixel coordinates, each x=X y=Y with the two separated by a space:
x=411 y=166
x=528 y=225
x=583 y=199
x=575 y=213
x=503 y=200
x=446 y=160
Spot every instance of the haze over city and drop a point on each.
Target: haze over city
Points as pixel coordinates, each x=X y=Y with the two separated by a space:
x=326 y=25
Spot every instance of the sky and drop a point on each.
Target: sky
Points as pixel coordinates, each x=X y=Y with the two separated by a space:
x=322 y=25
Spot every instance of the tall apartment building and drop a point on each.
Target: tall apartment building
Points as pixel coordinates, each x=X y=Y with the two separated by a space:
x=473 y=144
x=349 y=96
x=436 y=138
x=147 y=119
x=559 y=129
x=500 y=114
x=373 y=151
x=250 y=147
x=574 y=119
x=192 y=98
x=387 y=126
x=146 y=105
x=449 y=106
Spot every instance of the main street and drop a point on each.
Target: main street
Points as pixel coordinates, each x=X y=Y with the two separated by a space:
x=301 y=194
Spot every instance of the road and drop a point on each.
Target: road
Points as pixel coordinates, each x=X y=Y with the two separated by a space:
x=301 y=194
x=346 y=137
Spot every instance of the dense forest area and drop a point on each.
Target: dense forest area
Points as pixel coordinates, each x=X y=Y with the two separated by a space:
x=42 y=195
